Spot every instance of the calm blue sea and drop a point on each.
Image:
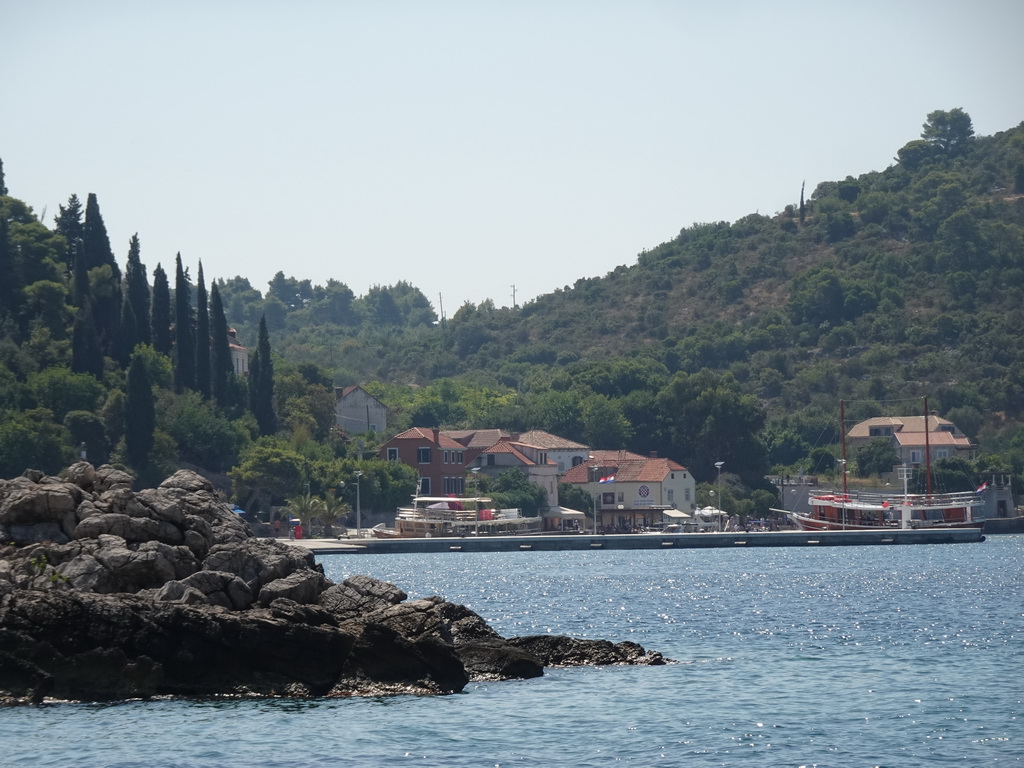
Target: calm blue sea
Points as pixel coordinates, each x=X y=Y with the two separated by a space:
x=894 y=656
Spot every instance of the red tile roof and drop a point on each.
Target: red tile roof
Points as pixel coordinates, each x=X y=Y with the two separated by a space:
x=630 y=469
x=427 y=434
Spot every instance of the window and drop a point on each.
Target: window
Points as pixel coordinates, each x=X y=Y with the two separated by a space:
x=942 y=453
x=392 y=454
x=671 y=496
x=490 y=459
x=446 y=455
x=621 y=497
x=916 y=457
x=454 y=485
x=577 y=460
x=687 y=494
x=423 y=455
x=459 y=454
x=424 y=486
x=542 y=458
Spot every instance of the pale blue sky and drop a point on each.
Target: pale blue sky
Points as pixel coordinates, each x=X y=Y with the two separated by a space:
x=469 y=146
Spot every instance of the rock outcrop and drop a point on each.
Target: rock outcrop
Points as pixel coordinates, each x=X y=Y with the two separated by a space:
x=107 y=594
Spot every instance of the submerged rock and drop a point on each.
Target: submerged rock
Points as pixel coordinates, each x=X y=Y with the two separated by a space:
x=109 y=594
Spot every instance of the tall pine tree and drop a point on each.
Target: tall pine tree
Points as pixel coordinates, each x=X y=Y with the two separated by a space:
x=220 y=353
x=69 y=224
x=184 y=331
x=137 y=290
x=86 y=354
x=203 y=383
x=139 y=415
x=261 y=383
x=160 y=324
x=129 y=335
x=106 y=293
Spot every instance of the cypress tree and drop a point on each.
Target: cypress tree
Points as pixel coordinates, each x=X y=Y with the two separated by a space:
x=261 y=383
x=129 y=336
x=3 y=183
x=184 y=332
x=7 y=286
x=86 y=355
x=203 y=383
x=139 y=415
x=137 y=290
x=69 y=224
x=80 y=283
x=220 y=352
x=106 y=300
x=160 y=324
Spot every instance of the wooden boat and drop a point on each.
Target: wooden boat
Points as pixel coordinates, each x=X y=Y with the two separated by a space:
x=859 y=511
x=433 y=516
x=855 y=511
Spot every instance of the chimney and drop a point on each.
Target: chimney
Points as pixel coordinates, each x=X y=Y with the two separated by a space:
x=437 y=435
x=654 y=454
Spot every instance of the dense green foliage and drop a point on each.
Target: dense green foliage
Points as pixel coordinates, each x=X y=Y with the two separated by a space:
x=732 y=342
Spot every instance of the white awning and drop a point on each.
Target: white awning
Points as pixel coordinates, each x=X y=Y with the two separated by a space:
x=675 y=514
x=564 y=512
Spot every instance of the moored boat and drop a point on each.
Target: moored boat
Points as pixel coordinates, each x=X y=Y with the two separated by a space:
x=858 y=511
x=434 y=516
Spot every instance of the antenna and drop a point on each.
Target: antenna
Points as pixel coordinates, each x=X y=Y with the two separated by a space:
x=513 y=296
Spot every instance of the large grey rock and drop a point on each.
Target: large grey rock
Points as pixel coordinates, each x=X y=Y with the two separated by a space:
x=106 y=593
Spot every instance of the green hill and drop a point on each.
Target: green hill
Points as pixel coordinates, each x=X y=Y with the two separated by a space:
x=732 y=341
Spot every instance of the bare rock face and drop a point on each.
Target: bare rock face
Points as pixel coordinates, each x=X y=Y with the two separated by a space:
x=107 y=593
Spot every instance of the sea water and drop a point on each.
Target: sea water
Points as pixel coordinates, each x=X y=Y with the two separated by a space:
x=888 y=655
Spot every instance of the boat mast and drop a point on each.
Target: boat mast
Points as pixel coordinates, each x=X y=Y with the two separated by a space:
x=927 y=453
x=842 y=433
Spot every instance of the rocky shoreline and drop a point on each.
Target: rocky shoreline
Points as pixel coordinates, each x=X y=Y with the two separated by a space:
x=108 y=593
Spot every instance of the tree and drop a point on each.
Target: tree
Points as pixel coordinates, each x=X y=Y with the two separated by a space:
x=513 y=490
x=3 y=182
x=950 y=132
x=129 y=335
x=306 y=508
x=105 y=285
x=220 y=353
x=261 y=383
x=160 y=323
x=875 y=458
x=140 y=415
x=60 y=390
x=137 y=290
x=86 y=354
x=711 y=419
x=334 y=509
x=69 y=224
x=268 y=470
x=184 y=332
x=203 y=379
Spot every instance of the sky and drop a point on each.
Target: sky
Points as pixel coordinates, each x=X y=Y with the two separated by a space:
x=477 y=150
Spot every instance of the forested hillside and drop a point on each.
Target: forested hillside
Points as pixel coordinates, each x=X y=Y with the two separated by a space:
x=730 y=342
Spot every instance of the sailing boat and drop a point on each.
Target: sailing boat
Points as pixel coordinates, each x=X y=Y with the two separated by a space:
x=872 y=511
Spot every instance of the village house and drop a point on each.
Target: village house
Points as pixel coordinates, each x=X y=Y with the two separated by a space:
x=633 y=491
x=356 y=410
x=907 y=435
x=239 y=354
x=441 y=462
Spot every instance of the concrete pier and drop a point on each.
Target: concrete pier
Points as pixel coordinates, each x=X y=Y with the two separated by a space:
x=590 y=542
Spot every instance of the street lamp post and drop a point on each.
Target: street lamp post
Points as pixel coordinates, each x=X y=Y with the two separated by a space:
x=359 y=509
x=720 y=504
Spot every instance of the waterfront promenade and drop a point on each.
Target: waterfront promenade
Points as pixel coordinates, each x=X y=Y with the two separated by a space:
x=583 y=542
